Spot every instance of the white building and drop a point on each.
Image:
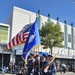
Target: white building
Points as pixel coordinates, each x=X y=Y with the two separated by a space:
x=20 y=17
x=4 y=33
x=4 y=39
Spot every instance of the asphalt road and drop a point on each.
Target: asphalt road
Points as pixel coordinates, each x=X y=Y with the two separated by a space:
x=67 y=73
x=8 y=74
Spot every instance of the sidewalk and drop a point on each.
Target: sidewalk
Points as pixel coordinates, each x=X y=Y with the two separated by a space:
x=8 y=74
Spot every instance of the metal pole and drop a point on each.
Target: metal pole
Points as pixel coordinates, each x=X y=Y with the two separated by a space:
x=2 y=62
x=15 y=56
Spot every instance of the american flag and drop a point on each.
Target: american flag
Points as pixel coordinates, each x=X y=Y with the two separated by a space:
x=20 y=38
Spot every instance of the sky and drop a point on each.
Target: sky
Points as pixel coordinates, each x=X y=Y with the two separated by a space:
x=64 y=9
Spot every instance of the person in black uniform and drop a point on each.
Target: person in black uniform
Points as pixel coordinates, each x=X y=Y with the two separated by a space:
x=51 y=69
x=30 y=64
x=43 y=63
x=36 y=65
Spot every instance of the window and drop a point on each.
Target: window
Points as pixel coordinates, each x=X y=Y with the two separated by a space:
x=69 y=37
x=3 y=34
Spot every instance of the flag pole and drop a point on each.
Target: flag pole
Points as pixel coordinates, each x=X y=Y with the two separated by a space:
x=51 y=62
x=33 y=59
x=35 y=51
x=24 y=60
x=38 y=60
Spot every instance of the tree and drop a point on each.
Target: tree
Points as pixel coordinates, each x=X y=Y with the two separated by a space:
x=51 y=36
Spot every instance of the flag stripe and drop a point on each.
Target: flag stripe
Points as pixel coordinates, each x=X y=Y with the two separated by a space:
x=20 y=38
x=13 y=42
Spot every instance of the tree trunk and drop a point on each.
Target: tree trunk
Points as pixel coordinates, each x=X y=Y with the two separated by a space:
x=50 y=52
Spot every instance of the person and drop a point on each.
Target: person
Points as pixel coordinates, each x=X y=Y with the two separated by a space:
x=10 y=66
x=7 y=68
x=61 y=69
x=57 y=67
x=43 y=63
x=36 y=65
x=30 y=64
x=51 y=67
x=3 y=69
x=64 y=69
x=23 y=72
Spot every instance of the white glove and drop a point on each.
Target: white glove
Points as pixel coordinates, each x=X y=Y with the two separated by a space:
x=38 y=58
x=49 y=71
x=31 y=74
x=38 y=73
x=45 y=71
x=33 y=70
x=33 y=60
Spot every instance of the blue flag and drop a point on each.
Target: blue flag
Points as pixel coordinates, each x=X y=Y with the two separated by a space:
x=32 y=40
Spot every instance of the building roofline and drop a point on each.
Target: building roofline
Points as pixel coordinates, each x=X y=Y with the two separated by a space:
x=4 y=24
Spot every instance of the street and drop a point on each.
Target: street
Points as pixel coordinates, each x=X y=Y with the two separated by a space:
x=8 y=74
x=67 y=73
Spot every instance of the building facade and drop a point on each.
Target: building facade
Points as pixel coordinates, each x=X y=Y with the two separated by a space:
x=4 y=39
x=4 y=33
x=20 y=17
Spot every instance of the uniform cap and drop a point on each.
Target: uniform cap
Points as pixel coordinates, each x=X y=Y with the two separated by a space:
x=32 y=54
x=50 y=56
x=44 y=55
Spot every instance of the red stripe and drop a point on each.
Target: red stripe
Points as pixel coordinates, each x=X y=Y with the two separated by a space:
x=17 y=39
x=13 y=42
x=21 y=36
x=20 y=39
x=9 y=44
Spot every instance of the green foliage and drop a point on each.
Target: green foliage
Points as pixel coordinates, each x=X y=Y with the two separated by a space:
x=51 y=35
